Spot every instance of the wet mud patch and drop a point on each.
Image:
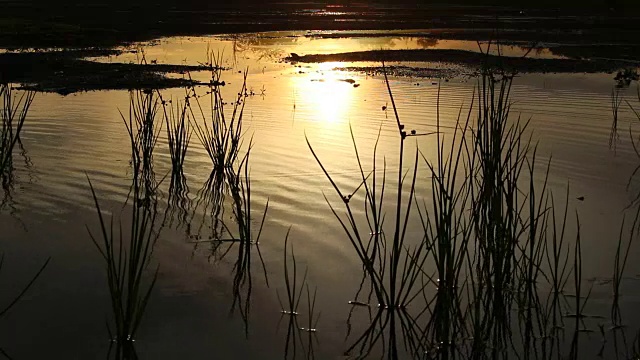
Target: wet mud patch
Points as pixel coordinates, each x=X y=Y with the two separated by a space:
x=66 y=72
x=471 y=60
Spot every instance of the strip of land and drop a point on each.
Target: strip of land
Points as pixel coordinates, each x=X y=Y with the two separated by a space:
x=67 y=71
x=471 y=59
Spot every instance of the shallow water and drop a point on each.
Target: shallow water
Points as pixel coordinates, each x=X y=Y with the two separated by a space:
x=69 y=138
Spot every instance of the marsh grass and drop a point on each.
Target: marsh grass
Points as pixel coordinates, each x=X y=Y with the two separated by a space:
x=178 y=203
x=619 y=265
x=127 y=254
x=392 y=265
x=313 y=317
x=209 y=204
x=219 y=133
x=616 y=101
x=245 y=238
x=580 y=304
x=296 y=288
x=143 y=135
x=14 y=112
x=491 y=229
x=13 y=115
x=228 y=185
x=177 y=121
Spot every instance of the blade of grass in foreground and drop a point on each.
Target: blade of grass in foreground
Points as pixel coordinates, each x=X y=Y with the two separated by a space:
x=126 y=260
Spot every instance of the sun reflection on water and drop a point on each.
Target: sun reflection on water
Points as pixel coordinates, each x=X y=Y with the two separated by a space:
x=326 y=95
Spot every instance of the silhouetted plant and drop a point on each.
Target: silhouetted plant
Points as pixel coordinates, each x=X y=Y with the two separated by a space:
x=219 y=133
x=13 y=114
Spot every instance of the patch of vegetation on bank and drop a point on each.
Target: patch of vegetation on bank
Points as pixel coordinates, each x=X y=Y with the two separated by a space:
x=65 y=72
x=471 y=59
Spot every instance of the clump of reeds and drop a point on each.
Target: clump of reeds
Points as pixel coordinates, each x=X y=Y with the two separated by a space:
x=619 y=264
x=291 y=305
x=507 y=217
x=143 y=135
x=557 y=274
x=616 y=101
x=581 y=298
x=219 y=133
x=177 y=117
x=210 y=203
x=392 y=265
x=127 y=254
x=13 y=114
x=488 y=230
x=246 y=237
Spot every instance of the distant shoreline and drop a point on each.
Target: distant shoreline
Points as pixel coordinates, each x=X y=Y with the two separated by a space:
x=469 y=59
x=39 y=24
x=588 y=41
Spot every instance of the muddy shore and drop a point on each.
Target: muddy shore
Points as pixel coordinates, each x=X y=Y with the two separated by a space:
x=66 y=72
x=470 y=59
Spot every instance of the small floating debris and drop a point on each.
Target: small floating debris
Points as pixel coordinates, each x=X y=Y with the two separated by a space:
x=384 y=108
x=581 y=198
x=358 y=303
x=307 y=330
x=287 y=312
x=350 y=81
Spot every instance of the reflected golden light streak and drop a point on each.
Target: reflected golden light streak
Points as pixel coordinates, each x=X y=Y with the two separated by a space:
x=324 y=94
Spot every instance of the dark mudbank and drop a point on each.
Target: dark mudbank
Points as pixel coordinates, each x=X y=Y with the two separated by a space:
x=66 y=72
x=472 y=59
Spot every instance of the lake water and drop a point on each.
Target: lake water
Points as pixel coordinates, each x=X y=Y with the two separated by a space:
x=67 y=138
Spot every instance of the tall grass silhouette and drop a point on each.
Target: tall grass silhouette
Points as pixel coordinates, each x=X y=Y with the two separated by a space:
x=127 y=253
